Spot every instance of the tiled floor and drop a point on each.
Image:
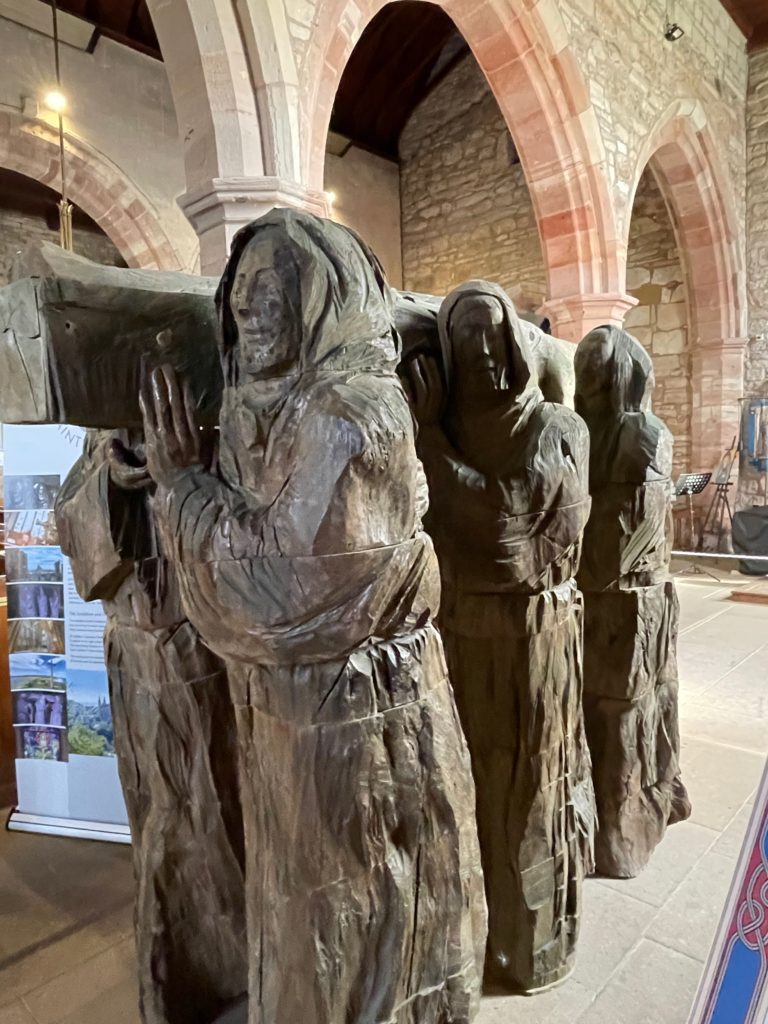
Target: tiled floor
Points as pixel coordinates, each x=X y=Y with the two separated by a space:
x=65 y=915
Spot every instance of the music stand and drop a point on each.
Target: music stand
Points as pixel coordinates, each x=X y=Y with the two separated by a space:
x=687 y=485
x=720 y=504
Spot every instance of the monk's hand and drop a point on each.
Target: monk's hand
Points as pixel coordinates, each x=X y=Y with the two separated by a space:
x=424 y=386
x=128 y=468
x=172 y=439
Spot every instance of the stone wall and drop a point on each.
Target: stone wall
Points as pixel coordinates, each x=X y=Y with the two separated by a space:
x=466 y=209
x=121 y=109
x=467 y=212
x=660 y=319
x=633 y=75
x=366 y=188
x=17 y=229
x=757 y=224
x=756 y=376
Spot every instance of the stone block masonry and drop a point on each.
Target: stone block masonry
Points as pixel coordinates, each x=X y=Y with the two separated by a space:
x=17 y=229
x=757 y=224
x=660 y=319
x=756 y=371
x=467 y=212
x=466 y=209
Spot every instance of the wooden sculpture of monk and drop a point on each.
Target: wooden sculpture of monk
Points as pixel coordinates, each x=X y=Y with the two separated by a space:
x=175 y=740
x=631 y=608
x=303 y=563
x=507 y=477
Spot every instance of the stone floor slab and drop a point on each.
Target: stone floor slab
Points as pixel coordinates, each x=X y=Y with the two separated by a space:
x=21 y=974
x=707 y=718
x=701 y=664
x=120 y=999
x=612 y=926
x=561 y=1005
x=16 y=1013
x=719 y=779
x=77 y=992
x=655 y=984
x=743 y=691
x=676 y=856
x=731 y=841
x=66 y=953
x=688 y=921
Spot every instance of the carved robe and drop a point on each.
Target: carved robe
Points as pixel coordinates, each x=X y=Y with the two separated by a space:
x=630 y=661
x=508 y=493
x=176 y=748
x=304 y=565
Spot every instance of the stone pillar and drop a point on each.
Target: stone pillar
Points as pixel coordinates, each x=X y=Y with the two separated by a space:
x=218 y=209
x=717 y=381
x=575 y=316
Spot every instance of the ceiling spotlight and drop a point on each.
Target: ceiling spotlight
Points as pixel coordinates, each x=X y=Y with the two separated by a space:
x=673 y=32
x=55 y=101
x=330 y=198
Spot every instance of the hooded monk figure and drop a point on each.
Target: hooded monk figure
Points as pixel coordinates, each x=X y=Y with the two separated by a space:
x=303 y=563
x=631 y=609
x=175 y=739
x=507 y=476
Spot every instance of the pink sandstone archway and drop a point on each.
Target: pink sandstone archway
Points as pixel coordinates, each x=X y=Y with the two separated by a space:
x=95 y=185
x=682 y=155
x=522 y=48
x=232 y=70
x=214 y=94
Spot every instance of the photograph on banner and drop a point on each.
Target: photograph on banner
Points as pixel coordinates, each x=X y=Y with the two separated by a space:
x=36 y=635
x=35 y=600
x=31 y=492
x=41 y=743
x=89 y=714
x=85 y=706
x=60 y=691
x=38 y=671
x=35 y=565
x=39 y=707
x=24 y=529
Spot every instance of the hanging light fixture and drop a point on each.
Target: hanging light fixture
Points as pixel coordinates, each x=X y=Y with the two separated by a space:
x=56 y=102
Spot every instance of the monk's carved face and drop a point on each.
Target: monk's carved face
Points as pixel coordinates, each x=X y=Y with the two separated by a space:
x=479 y=344
x=264 y=310
x=592 y=364
x=610 y=375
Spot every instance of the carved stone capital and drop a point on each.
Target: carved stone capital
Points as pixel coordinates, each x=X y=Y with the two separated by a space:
x=730 y=346
x=574 y=316
x=219 y=208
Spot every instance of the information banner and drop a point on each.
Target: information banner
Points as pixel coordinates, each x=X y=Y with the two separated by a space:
x=66 y=770
x=734 y=989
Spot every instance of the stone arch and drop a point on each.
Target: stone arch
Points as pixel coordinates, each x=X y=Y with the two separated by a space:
x=682 y=155
x=213 y=91
x=524 y=53
x=94 y=184
x=233 y=78
x=234 y=82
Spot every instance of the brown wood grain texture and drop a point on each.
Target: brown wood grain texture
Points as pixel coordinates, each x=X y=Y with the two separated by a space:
x=631 y=608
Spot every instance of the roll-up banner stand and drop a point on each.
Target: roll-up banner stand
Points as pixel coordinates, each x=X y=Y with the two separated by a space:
x=66 y=770
x=734 y=987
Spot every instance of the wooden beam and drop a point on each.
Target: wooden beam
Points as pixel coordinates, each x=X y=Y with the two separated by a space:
x=130 y=42
x=387 y=74
x=733 y=7
x=443 y=73
x=758 y=40
x=120 y=29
